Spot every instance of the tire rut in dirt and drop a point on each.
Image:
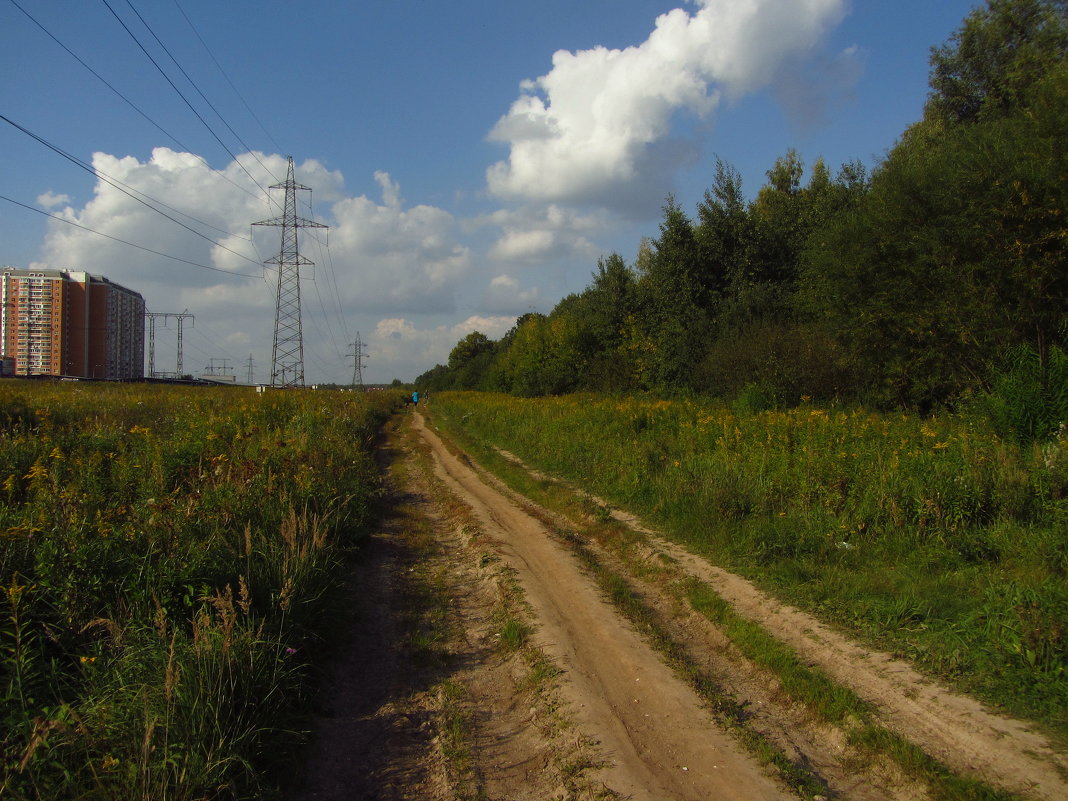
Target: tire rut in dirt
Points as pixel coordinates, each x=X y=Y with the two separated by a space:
x=371 y=737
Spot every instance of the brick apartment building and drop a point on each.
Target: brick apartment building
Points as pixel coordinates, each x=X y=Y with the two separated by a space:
x=69 y=323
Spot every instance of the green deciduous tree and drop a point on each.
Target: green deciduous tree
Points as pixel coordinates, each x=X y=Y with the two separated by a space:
x=957 y=253
x=990 y=66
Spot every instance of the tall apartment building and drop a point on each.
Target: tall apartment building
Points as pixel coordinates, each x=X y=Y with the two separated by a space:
x=70 y=323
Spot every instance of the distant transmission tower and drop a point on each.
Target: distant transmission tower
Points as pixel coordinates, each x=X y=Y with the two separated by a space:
x=165 y=316
x=287 y=352
x=357 y=367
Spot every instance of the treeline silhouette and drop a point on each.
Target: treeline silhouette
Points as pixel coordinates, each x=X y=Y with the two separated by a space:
x=937 y=278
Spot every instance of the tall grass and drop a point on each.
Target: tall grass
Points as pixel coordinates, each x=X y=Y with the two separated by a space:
x=165 y=554
x=930 y=535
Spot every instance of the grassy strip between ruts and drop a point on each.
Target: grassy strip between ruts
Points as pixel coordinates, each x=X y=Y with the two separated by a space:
x=428 y=635
x=807 y=686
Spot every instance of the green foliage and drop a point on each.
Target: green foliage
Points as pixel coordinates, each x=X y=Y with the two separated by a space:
x=903 y=288
x=1028 y=402
x=990 y=66
x=753 y=399
x=165 y=556
x=955 y=252
x=674 y=301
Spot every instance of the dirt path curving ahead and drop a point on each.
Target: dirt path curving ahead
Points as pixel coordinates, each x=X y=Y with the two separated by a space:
x=659 y=741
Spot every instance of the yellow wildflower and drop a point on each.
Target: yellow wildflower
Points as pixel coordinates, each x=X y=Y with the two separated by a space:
x=37 y=471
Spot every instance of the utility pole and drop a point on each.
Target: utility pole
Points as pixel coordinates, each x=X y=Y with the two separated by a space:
x=359 y=355
x=152 y=317
x=287 y=352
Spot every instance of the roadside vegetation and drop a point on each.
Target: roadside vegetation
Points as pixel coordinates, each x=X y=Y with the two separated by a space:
x=929 y=536
x=167 y=557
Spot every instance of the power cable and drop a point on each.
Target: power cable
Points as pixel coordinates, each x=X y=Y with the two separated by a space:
x=213 y=341
x=277 y=146
x=203 y=97
x=100 y=77
x=124 y=242
x=326 y=317
x=120 y=186
x=184 y=98
x=328 y=264
x=129 y=102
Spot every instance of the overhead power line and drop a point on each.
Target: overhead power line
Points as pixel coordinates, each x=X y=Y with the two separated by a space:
x=182 y=146
x=203 y=97
x=100 y=77
x=121 y=187
x=124 y=242
x=222 y=72
x=178 y=91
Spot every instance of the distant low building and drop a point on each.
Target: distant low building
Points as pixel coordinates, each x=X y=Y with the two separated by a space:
x=70 y=323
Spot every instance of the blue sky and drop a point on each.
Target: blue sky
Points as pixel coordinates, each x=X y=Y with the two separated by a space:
x=473 y=159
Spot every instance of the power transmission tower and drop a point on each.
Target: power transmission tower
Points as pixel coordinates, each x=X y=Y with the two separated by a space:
x=152 y=317
x=222 y=369
x=357 y=367
x=251 y=364
x=287 y=352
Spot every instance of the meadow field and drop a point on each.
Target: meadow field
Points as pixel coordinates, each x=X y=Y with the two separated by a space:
x=167 y=557
x=926 y=536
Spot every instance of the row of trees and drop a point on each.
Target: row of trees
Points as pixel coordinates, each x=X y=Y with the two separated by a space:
x=909 y=286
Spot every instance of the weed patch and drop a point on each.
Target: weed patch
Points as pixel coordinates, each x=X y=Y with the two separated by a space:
x=166 y=559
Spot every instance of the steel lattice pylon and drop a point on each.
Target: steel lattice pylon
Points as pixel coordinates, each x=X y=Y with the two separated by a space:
x=287 y=353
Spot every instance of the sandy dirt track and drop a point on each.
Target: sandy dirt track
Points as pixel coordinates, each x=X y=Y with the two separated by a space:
x=652 y=727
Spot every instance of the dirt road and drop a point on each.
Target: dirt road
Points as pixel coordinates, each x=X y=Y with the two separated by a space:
x=615 y=721
x=660 y=742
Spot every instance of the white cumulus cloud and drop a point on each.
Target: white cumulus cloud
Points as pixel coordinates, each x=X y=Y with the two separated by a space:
x=379 y=256
x=407 y=259
x=597 y=126
x=50 y=199
x=539 y=234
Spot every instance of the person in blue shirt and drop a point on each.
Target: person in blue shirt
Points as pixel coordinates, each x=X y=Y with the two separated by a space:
x=415 y=398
